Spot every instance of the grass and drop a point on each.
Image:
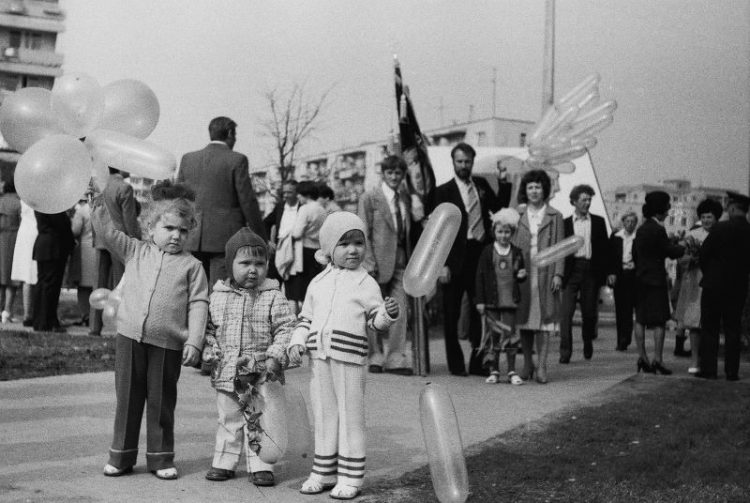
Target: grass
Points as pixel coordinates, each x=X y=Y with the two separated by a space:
x=648 y=440
x=36 y=354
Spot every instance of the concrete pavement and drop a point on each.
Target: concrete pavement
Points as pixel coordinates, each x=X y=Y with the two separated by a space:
x=55 y=431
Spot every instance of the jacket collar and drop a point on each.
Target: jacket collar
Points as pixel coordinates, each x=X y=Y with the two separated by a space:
x=358 y=275
x=224 y=285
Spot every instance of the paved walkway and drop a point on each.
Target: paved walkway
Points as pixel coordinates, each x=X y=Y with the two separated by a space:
x=54 y=432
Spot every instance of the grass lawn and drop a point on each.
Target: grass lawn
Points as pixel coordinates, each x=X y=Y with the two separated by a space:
x=648 y=440
x=36 y=354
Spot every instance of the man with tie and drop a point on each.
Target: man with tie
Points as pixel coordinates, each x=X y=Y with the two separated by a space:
x=585 y=272
x=386 y=212
x=475 y=199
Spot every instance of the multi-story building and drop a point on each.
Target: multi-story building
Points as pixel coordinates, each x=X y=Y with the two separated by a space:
x=28 y=35
x=685 y=200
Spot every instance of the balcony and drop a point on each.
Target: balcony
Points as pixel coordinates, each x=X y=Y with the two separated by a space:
x=31 y=62
x=52 y=24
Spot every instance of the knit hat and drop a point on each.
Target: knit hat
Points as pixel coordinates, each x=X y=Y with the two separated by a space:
x=506 y=216
x=336 y=225
x=243 y=237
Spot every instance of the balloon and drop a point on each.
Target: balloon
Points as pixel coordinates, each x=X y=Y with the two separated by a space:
x=565 y=155
x=99 y=172
x=274 y=441
x=109 y=315
x=554 y=253
x=131 y=154
x=561 y=122
x=432 y=250
x=442 y=438
x=588 y=84
x=590 y=127
x=130 y=107
x=299 y=432
x=607 y=296
x=78 y=103
x=549 y=115
x=98 y=298
x=605 y=108
x=53 y=174
x=26 y=117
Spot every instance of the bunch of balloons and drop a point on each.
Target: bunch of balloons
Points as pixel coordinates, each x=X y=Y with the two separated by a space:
x=108 y=301
x=47 y=127
x=566 y=130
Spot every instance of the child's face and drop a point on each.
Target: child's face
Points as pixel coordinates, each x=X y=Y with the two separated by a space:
x=248 y=269
x=169 y=233
x=503 y=234
x=350 y=250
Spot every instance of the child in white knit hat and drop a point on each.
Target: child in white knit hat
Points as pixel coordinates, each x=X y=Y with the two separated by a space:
x=341 y=302
x=501 y=268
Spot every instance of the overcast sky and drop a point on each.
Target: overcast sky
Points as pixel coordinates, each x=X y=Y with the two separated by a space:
x=679 y=69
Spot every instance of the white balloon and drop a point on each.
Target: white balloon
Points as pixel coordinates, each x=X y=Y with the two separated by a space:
x=26 y=117
x=127 y=153
x=130 y=107
x=78 y=103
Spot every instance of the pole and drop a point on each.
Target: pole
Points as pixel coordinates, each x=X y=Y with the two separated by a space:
x=494 y=91
x=548 y=69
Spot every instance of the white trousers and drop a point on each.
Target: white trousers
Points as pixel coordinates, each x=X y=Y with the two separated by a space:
x=337 y=395
x=231 y=435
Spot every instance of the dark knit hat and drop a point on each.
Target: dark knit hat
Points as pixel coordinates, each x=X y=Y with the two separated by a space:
x=243 y=237
x=656 y=202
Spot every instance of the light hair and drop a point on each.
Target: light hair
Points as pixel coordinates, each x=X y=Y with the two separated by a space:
x=181 y=207
x=252 y=251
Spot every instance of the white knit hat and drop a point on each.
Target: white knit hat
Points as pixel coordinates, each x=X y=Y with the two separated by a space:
x=336 y=225
x=506 y=216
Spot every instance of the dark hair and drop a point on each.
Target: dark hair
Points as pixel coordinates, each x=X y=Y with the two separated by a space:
x=576 y=192
x=291 y=181
x=534 y=176
x=308 y=189
x=220 y=127
x=465 y=148
x=326 y=191
x=167 y=197
x=393 y=162
x=710 y=206
x=168 y=190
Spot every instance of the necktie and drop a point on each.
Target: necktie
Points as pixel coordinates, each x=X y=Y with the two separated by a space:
x=476 y=226
x=399 y=219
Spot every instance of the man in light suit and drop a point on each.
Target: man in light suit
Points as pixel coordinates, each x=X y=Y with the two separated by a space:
x=585 y=272
x=476 y=199
x=122 y=207
x=386 y=212
x=225 y=199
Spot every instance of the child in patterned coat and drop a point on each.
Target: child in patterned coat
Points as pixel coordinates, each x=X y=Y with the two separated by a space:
x=250 y=324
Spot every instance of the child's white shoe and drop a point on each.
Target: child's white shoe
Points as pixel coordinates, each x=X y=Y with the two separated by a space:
x=5 y=317
x=514 y=379
x=166 y=473
x=113 y=471
x=494 y=378
x=344 y=492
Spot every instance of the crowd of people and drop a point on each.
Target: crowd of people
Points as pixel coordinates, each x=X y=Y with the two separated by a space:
x=205 y=280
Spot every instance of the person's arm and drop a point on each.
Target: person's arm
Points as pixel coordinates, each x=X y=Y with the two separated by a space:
x=365 y=212
x=246 y=196
x=117 y=242
x=197 y=314
x=282 y=325
x=480 y=277
x=127 y=202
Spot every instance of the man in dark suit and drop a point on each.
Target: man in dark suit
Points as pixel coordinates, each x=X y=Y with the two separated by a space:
x=725 y=263
x=585 y=272
x=476 y=199
x=225 y=199
x=122 y=207
x=622 y=278
x=51 y=249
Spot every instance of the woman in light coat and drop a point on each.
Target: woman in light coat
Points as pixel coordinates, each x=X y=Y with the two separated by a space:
x=538 y=315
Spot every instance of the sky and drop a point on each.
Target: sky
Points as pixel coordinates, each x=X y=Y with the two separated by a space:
x=679 y=70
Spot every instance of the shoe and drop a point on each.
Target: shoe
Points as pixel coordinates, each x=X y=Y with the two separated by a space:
x=219 y=474
x=527 y=374
x=311 y=486
x=166 y=473
x=705 y=375
x=28 y=323
x=541 y=375
x=263 y=479
x=461 y=373
x=660 y=369
x=94 y=333
x=401 y=371
x=693 y=370
x=494 y=378
x=514 y=379
x=375 y=369
x=5 y=317
x=113 y=471
x=733 y=377
x=644 y=365
x=621 y=348
x=565 y=359
x=588 y=350
x=344 y=492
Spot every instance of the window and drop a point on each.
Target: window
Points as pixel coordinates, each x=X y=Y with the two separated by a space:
x=33 y=40
x=15 y=38
x=481 y=139
x=8 y=82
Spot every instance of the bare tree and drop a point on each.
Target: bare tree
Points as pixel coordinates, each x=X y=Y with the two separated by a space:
x=292 y=119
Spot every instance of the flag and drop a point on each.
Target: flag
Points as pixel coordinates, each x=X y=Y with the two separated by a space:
x=421 y=179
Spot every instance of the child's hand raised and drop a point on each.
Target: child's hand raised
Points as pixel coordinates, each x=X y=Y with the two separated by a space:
x=190 y=355
x=295 y=354
x=391 y=307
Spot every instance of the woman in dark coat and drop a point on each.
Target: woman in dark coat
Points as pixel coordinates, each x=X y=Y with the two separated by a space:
x=650 y=248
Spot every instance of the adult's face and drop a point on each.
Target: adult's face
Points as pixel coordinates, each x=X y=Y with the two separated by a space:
x=582 y=204
x=289 y=193
x=707 y=221
x=535 y=193
x=462 y=164
x=393 y=178
x=629 y=223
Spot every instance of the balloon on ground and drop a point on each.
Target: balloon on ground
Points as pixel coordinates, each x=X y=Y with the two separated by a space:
x=442 y=439
x=53 y=174
x=26 y=117
x=550 y=255
x=432 y=250
x=299 y=431
x=130 y=107
x=131 y=154
x=78 y=103
x=274 y=441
